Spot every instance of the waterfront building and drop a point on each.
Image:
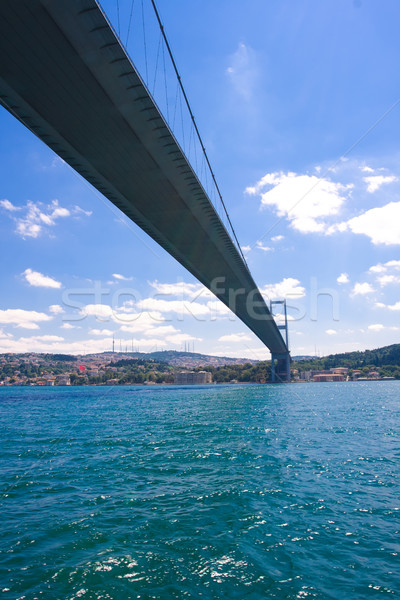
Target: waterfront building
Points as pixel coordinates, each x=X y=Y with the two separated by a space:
x=193 y=378
x=374 y=375
x=328 y=377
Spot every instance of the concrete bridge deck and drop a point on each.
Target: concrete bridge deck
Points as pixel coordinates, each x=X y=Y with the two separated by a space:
x=66 y=76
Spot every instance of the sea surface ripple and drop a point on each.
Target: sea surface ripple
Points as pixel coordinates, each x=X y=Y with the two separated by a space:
x=208 y=492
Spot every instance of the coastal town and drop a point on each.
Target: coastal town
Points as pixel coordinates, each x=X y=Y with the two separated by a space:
x=186 y=368
x=339 y=374
x=100 y=369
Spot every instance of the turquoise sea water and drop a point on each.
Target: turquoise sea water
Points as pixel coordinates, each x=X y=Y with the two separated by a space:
x=285 y=491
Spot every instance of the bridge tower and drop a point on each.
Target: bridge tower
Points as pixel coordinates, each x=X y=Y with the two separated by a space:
x=281 y=371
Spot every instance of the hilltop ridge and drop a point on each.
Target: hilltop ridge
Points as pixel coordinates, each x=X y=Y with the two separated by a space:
x=181 y=359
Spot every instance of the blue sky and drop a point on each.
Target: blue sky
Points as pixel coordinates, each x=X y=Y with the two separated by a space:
x=299 y=108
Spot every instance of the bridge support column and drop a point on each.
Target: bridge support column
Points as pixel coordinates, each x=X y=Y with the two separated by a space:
x=281 y=371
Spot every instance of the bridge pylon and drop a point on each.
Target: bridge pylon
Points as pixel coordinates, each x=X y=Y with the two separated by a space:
x=281 y=371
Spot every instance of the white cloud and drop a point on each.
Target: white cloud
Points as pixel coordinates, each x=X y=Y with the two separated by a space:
x=243 y=72
x=378 y=268
x=56 y=309
x=235 y=337
x=68 y=326
x=31 y=225
x=287 y=288
x=376 y=327
x=3 y=334
x=140 y=321
x=393 y=264
x=385 y=267
x=255 y=352
x=260 y=246
x=179 y=338
x=26 y=319
x=304 y=199
x=79 y=210
x=104 y=332
x=151 y=329
x=173 y=306
x=388 y=279
x=39 y=280
x=395 y=306
x=142 y=343
x=54 y=343
x=102 y=312
x=127 y=307
x=157 y=335
x=36 y=344
x=9 y=205
x=121 y=277
x=343 y=278
x=59 y=212
x=360 y=289
x=27 y=228
x=182 y=289
x=164 y=334
x=312 y=204
x=277 y=238
x=376 y=181
x=380 y=327
x=331 y=331
x=129 y=320
x=148 y=315
x=29 y=325
x=43 y=338
x=381 y=224
x=34 y=218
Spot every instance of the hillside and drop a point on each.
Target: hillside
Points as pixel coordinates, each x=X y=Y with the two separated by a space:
x=160 y=367
x=388 y=355
x=177 y=359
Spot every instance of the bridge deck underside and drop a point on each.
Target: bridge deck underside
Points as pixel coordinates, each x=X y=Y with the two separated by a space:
x=65 y=75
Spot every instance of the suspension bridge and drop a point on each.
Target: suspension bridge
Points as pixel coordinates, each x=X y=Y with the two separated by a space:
x=65 y=74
